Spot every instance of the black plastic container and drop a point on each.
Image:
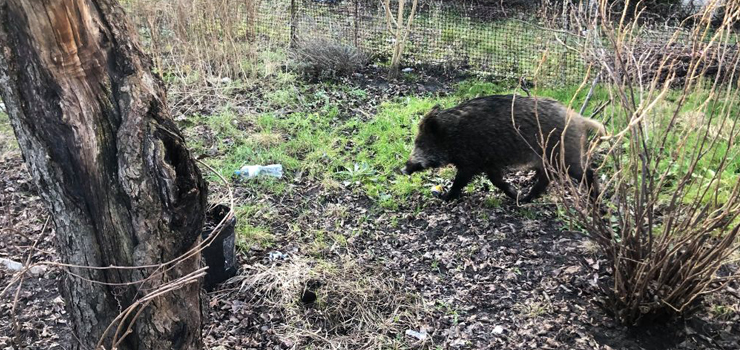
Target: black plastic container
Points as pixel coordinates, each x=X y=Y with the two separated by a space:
x=220 y=256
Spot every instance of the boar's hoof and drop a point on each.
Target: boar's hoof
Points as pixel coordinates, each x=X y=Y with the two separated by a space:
x=448 y=197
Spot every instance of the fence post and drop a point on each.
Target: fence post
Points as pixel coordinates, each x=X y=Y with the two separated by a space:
x=292 y=23
x=565 y=74
x=357 y=19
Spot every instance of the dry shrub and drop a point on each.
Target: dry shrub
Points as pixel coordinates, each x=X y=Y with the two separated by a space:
x=197 y=39
x=320 y=57
x=667 y=218
x=652 y=56
x=354 y=308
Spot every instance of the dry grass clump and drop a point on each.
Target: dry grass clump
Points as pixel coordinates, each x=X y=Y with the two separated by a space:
x=266 y=139
x=669 y=212
x=321 y=57
x=329 y=305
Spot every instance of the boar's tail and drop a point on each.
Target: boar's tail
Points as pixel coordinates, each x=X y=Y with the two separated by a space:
x=595 y=126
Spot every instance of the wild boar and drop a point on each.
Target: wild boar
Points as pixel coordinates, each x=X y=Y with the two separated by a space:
x=489 y=135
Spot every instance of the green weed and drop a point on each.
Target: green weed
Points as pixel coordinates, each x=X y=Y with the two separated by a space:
x=249 y=236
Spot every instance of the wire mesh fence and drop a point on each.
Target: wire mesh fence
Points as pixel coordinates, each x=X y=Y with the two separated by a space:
x=480 y=36
x=524 y=39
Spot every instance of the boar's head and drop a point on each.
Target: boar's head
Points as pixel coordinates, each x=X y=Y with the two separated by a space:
x=430 y=150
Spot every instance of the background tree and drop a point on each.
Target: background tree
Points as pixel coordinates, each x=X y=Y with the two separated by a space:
x=399 y=28
x=95 y=131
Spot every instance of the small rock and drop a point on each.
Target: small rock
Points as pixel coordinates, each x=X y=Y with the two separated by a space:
x=407 y=70
x=38 y=270
x=418 y=335
x=498 y=330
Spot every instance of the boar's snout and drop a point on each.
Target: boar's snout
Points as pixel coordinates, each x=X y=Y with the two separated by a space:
x=411 y=167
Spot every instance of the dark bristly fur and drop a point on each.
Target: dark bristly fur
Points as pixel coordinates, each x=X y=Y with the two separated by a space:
x=489 y=134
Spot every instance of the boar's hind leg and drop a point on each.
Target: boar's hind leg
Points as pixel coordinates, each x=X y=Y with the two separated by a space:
x=593 y=184
x=462 y=178
x=541 y=182
x=498 y=180
x=577 y=174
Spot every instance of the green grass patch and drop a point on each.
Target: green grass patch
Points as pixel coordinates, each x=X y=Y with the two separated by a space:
x=383 y=145
x=248 y=235
x=8 y=142
x=309 y=135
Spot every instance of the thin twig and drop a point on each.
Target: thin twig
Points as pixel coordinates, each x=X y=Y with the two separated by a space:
x=590 y=93
x=16 y=325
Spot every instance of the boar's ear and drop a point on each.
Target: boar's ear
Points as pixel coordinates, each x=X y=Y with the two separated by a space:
x=435 y=109
x=430 y=124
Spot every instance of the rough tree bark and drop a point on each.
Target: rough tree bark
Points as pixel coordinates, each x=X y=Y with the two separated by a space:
x=96 y=134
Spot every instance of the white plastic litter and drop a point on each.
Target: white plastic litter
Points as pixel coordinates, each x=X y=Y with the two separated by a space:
x=11 y=265
x=16 y=266
x=276 y=256
x=251 y=171
x=418 y=335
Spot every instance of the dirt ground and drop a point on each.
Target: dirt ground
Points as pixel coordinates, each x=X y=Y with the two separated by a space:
x=479 y=273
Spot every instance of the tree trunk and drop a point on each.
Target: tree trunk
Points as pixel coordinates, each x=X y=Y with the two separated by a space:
x=95 y=131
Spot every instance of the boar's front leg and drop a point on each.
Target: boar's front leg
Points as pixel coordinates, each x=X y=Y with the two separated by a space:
x=462 y=179
x=497 y=179
x=539 y=186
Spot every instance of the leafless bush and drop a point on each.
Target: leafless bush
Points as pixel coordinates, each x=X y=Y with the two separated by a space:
x=668 y=215
x=681 y=58
x=320 y=57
